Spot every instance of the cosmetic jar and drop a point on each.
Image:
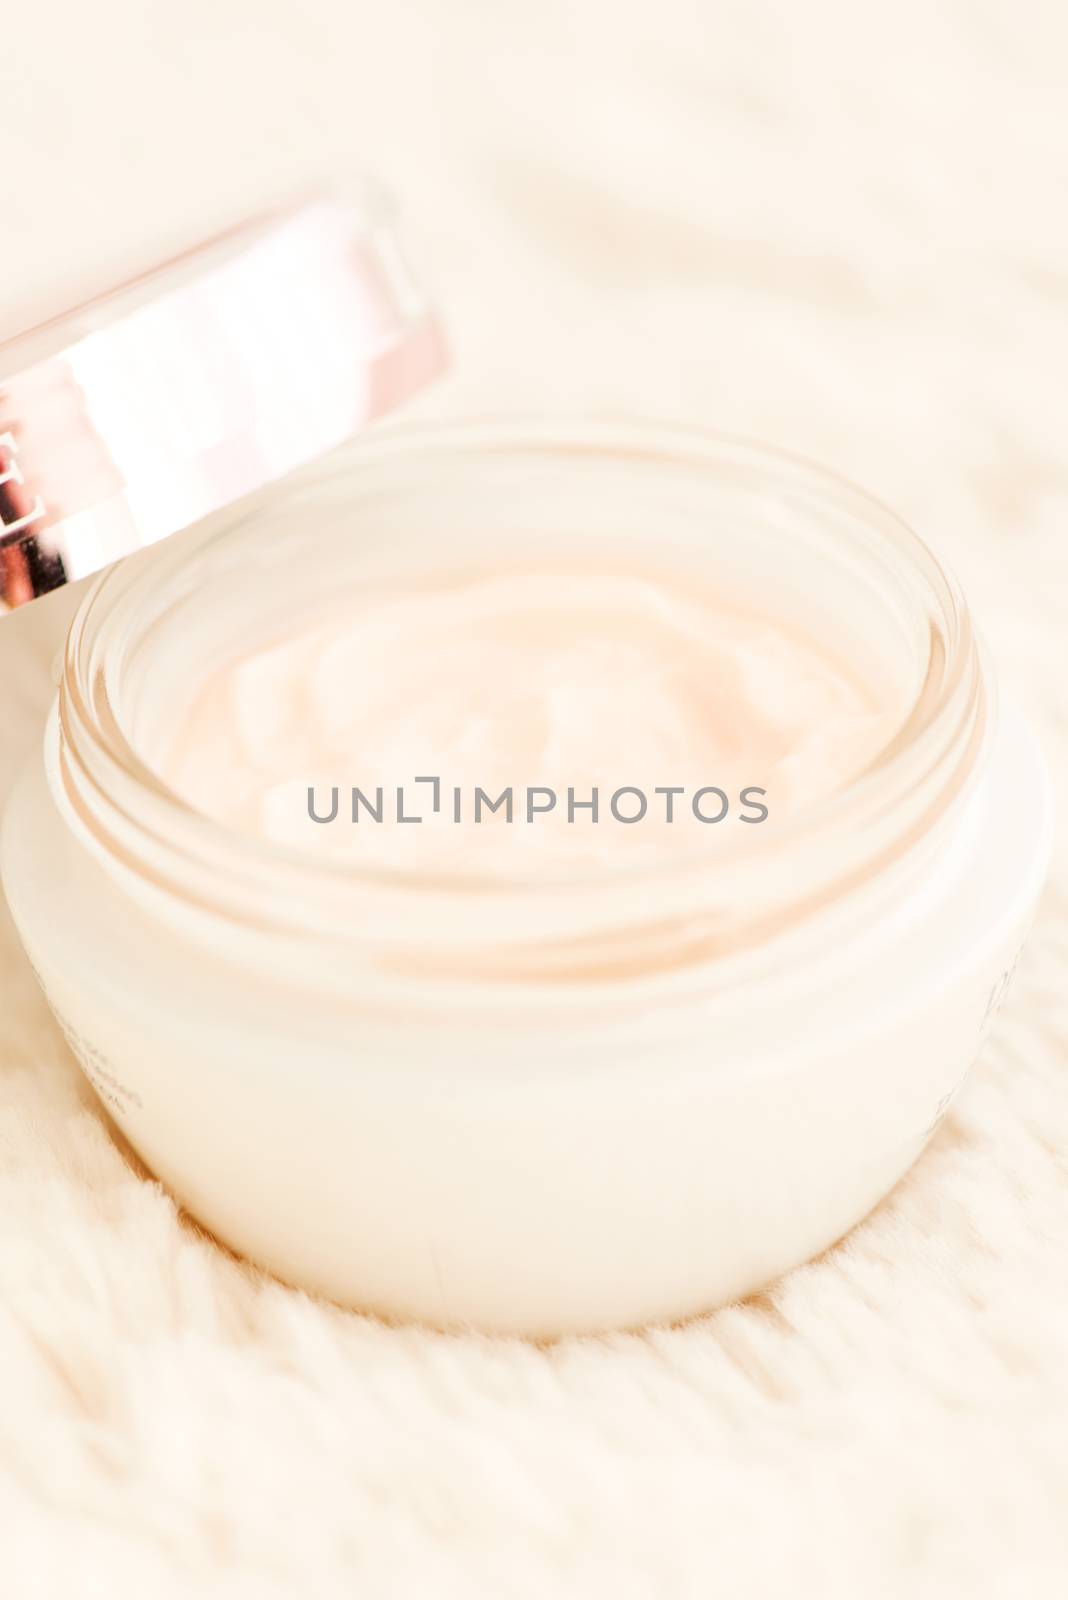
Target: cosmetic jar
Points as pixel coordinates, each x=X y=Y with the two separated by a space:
x=532 y=1102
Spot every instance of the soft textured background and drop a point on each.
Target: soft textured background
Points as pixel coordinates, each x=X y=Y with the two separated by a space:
x=843 y=227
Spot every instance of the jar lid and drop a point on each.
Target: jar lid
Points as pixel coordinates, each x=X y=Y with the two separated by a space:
x=201 y=382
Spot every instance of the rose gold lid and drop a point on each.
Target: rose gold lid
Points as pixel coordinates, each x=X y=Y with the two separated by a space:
x=201 y=382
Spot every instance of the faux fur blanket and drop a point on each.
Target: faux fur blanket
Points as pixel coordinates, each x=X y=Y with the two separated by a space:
x=840 y=227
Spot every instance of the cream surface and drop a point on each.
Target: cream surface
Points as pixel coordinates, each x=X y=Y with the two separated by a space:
x=566 y=679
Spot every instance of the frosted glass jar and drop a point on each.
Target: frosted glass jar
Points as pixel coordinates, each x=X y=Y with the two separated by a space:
x=531 y=1106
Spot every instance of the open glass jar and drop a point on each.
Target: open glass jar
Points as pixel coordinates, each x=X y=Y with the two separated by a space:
x=549 y=1101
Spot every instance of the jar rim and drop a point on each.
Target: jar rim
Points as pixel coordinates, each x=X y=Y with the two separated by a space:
x=128 y=814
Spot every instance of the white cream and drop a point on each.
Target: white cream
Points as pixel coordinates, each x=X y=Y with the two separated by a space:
x=561 y=1097
x=570 y=679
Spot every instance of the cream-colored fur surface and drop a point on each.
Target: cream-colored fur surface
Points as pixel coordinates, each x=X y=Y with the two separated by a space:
x=839 y=226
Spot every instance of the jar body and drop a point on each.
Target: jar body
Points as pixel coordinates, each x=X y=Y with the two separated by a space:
x=550 y=1172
